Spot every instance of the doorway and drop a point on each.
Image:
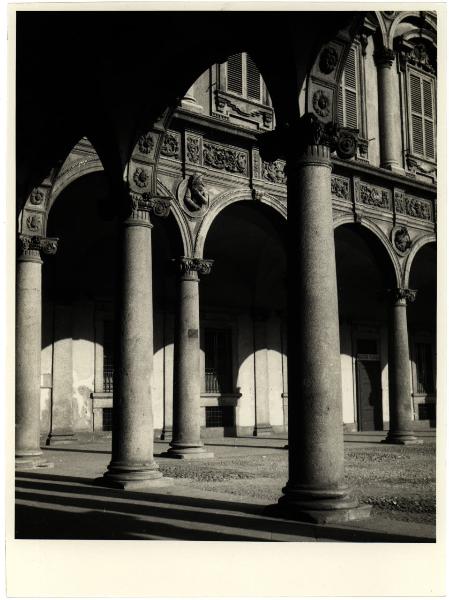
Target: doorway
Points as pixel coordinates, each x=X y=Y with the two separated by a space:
x=369 y=389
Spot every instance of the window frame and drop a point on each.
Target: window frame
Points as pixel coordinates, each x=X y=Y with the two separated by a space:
x=423 y=76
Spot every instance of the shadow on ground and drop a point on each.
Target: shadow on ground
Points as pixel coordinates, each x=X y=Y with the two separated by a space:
x=51 y=506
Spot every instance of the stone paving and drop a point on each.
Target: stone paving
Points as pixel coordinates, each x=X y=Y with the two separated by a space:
x=64 y=503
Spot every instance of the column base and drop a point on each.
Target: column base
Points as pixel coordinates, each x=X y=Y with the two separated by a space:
x=187 y=452
x=32 y=460
x=339 y=515
x=263 y=430
x=54 y=439
x=132 y=477
x=315 y=505
x=403 y=438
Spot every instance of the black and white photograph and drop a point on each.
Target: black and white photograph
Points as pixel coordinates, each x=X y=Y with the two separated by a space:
x=224 y=276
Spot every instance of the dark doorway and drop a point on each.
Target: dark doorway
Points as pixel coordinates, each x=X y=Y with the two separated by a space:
x=369 y=395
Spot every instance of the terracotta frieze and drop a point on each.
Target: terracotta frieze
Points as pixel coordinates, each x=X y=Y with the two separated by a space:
x=225 y=159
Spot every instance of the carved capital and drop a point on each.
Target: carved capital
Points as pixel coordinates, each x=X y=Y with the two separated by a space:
x=30 y=247
x=191 y=267
x=402 y=296
x=143 y=205
x=303 y=136
x=384 y=57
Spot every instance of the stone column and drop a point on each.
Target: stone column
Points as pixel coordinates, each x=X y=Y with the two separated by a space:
x=28 y=349
x=186 y=442
x=262 y=425
x=388 y=111
x=132 y=465
x=400 y=402
x=316 y=490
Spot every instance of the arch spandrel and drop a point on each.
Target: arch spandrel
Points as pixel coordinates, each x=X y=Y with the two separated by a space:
x=226 y=199
x=381 y=237
x=180 y=218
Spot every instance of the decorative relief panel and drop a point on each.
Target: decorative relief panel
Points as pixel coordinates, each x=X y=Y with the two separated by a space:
x=37 y=197
x=412 y=206
x=372 y=195
x=256 y=164
x=225 y=159
x=170 y=145
x=274 y=171
x=33 y=223
x=328 y=60
x=146 y=143
x=193 y=149
x=340 y=188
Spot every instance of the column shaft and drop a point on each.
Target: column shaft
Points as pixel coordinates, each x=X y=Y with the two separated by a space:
x=28 y=350
x=132 y=465
x=401 y=422
x=315 y=490
x=388 y=112
x=186 y=442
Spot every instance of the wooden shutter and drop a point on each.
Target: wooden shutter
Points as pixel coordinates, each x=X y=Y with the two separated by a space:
x=235 y=72
x=253 y=85
x=348 y=94
x=422 y=115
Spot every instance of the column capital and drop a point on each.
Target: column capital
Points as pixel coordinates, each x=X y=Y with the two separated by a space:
x=384 y=57
x=29 y=247
x=308 y=138
x=190 y=267
x=402 y=296
x=143 y=205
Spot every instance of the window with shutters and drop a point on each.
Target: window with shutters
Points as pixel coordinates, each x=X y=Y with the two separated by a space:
x=422 y=121
x=349 y=92
x=243 y=77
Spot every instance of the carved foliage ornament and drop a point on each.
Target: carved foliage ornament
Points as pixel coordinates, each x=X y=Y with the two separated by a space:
x=274 y=171
x=193 y=150
x=140 y=177
x=340 y=187
x=402 y=295
x=413 y=207
x=189 y=266
x=328 y=60
x=225 y=159
x=401 y=240
x=31 y=246
x=34 y=223
x=321 y=103
x=37 y=196
x=170 y=145
x=418 y=56
x=146 y=143
x=158 y=205
x=373 y=196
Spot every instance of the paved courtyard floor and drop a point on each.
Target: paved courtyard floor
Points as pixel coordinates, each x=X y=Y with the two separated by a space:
x=223 y=498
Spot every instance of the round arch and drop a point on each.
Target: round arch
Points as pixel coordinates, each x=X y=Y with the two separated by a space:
x=417 y=245
x=402 y=16
x=382 y=238
x=226 y=199
x=74 y=171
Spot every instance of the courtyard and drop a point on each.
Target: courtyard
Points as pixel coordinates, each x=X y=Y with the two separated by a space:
x=224 y=499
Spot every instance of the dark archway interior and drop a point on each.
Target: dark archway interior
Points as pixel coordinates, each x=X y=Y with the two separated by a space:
x=364 y=274
x=247 y=243
x=423 y=276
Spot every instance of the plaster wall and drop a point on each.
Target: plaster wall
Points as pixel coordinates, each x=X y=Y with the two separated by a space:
x=245 y=411
x=274 y=368
x=83 y=357
x=347 y=374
